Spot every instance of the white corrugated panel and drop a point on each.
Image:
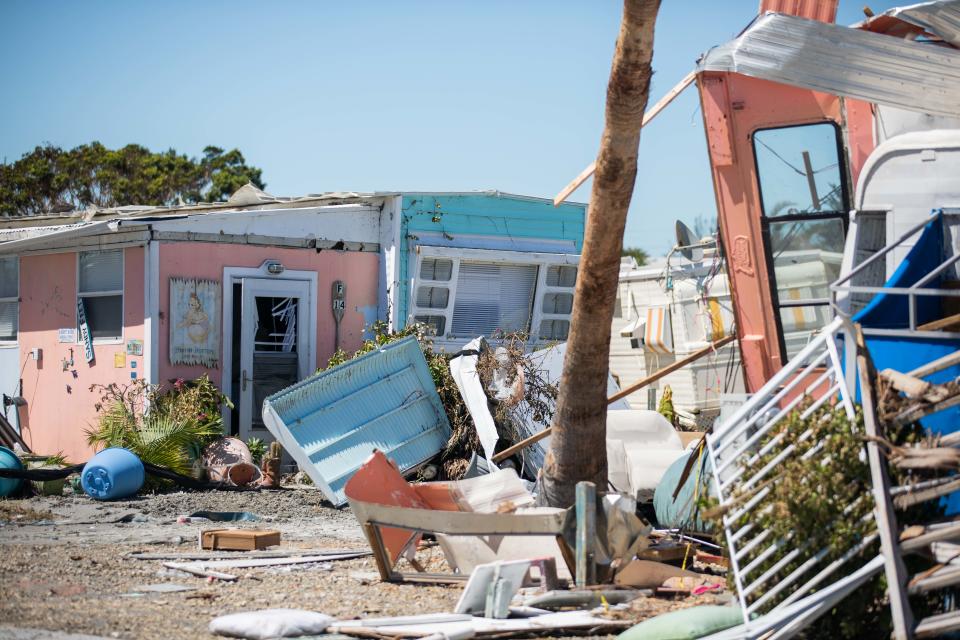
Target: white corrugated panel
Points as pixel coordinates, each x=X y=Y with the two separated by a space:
x=939 y=18
x=492 y=296
x=845 y=62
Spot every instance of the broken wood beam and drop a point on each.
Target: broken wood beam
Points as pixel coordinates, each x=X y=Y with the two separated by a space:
x=651 y=113
x=937 y=365
x=906 y=500
x=679 y=364
x=915 y=544
x=914 y=413
x=696 y=355
x=941 y=324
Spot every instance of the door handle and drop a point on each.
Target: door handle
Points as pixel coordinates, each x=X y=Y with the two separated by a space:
x=244 y=380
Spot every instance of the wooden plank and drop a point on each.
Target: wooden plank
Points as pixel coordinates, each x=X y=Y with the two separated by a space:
x=913 y=414
x=679 y=364
x=200 y=571
x=905 y=500
x=575 y=184
x=651 y=113
x=930 y=536
x=912 y=386
x=938 y=625
x=941 y=324
x=944 y=577
x=886 y=519
x=937 y=365
x=537 y=437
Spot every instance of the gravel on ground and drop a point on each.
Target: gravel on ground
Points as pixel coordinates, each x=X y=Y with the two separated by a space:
x=66 y=566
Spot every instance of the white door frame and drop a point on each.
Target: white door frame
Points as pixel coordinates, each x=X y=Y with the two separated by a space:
x=254 y=288
x=233 y=275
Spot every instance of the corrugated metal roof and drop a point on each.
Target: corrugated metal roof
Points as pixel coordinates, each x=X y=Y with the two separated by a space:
x=941 y=19
x=332 y=421
x=843 y=61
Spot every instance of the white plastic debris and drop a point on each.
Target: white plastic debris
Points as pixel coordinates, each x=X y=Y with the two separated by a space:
x=270 y=623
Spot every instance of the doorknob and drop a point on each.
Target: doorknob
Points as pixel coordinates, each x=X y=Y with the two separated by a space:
x=244 y=380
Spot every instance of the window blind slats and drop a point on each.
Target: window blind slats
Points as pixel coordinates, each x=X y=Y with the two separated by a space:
x=9 y=278
x=101 y=271
x=492 y=296
x=8 y=320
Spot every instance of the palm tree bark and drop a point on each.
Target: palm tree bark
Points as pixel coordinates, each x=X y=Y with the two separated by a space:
x=577 y=446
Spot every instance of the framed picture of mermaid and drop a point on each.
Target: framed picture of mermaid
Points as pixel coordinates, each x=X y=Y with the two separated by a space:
x=195 y=322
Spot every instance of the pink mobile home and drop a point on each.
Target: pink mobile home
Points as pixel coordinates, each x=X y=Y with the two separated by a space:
x=269 y=277
x=259 y=291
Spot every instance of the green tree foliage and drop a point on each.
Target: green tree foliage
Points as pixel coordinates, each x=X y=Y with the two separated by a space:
x=637 y=254
x=51 y=180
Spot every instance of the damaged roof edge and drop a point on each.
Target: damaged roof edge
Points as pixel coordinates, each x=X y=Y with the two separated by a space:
x=941 y=19
x=844 y=61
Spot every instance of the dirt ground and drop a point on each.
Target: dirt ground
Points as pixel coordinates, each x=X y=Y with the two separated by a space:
x=64 y=566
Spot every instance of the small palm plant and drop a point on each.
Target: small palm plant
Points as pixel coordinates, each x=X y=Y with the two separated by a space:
x=132 y=417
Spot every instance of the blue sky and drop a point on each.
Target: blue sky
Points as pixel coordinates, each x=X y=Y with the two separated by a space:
x=325 y=96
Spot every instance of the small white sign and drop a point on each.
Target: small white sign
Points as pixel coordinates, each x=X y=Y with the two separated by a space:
x=68 y=336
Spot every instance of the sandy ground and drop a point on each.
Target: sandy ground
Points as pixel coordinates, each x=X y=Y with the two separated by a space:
x=65 y=567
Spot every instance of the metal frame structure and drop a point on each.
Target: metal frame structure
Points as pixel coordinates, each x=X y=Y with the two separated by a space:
x=842 y=286
x=816 y=372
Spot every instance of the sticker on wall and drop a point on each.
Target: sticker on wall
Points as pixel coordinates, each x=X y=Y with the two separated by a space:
x=133 y=375
x=68 y=335
x=120 y=360
x=134 y=347
x=85 y=336
x=194 y=322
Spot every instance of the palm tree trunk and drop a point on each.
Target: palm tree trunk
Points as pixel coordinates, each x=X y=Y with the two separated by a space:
x=578 y=442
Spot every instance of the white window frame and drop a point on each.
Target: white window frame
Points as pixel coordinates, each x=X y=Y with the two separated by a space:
x=16 y=298
x=541 y=260
x=104 y=294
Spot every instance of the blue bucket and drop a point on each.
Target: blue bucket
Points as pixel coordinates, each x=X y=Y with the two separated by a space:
x=111 y=474
x=9 y=460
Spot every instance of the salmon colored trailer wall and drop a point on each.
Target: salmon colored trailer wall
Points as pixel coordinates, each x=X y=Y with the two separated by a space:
x=60 y=405
x=734 y=107
x=359 y=271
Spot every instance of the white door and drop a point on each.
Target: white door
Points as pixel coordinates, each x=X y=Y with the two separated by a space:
x=274 y=345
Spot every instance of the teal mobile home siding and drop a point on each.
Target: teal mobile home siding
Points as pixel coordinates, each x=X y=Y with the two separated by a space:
x=487 y=221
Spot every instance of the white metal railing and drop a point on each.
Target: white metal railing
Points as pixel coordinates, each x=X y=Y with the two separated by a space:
x=744 y=439
x=842 y=287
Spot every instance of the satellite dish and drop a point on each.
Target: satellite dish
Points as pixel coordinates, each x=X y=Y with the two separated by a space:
x=689 y=245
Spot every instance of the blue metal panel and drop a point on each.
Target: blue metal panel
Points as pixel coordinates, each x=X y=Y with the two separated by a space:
x=332 y=421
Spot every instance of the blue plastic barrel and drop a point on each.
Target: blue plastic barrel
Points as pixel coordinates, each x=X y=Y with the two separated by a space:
x=9 y=460
x=111 y=474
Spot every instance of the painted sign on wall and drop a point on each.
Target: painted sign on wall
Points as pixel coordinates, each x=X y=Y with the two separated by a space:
x=195 y=322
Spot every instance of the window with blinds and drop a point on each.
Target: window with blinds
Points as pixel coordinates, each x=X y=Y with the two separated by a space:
x=461 y=298
x=493 y=297
x=9 y=298
x=100 y=286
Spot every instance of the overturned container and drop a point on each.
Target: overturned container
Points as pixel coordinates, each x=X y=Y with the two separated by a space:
x=112 y=474
x=9 y=460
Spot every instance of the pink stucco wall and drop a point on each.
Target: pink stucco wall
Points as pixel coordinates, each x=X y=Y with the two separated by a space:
x=207 y=260
x=60 y=405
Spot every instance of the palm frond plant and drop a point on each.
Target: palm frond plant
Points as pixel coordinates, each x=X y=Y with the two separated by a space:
x=167 y=430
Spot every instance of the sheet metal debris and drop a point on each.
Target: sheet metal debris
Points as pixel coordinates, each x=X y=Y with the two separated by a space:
x=386 y=400
x=845 y=62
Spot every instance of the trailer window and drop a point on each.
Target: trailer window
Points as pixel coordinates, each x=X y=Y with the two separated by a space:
x=803 y=194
